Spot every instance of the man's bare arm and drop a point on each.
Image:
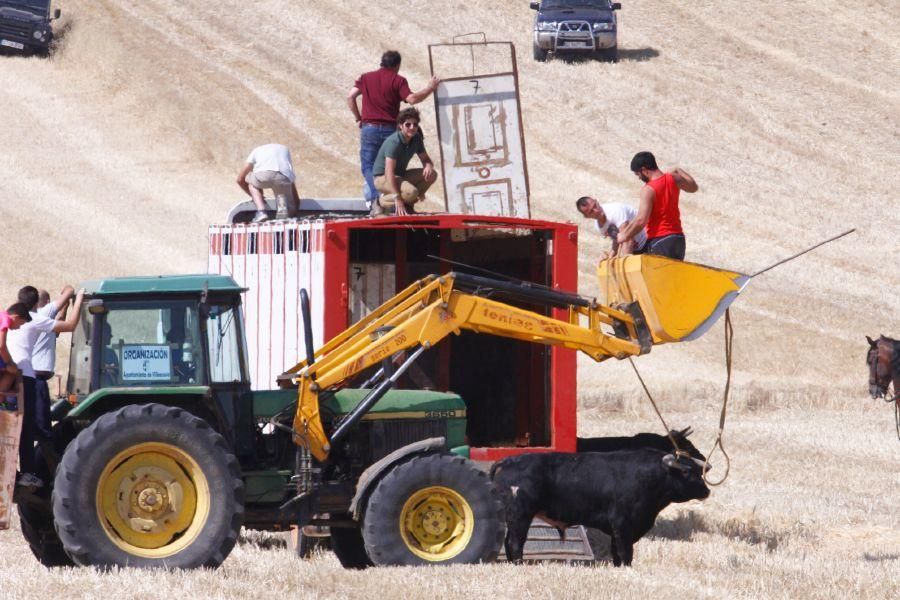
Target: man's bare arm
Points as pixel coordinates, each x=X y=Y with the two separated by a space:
x=71 y=321
x=416 y=97
x=684 y=181
x=632 y=228
x=64 y=296
x=242 y=178
x=4 y=351
x=351 y=103
x=428 y=171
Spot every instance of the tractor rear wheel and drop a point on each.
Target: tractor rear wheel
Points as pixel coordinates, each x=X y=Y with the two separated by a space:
x=435 y=509
x=148 y=486
x=36 y=522
x=348 y=546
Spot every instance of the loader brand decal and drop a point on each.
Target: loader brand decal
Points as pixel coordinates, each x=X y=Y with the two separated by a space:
x=146 y=362
x=387 y=350
x=508 y=318
x=526 y=323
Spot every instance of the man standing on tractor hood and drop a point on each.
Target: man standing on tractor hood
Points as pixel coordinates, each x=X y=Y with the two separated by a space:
x=381 y=91
x=658 y=210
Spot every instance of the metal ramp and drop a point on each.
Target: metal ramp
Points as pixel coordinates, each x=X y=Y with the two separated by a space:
x=544 y=544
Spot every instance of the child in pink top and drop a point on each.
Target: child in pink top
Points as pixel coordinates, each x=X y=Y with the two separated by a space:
x=12 y=318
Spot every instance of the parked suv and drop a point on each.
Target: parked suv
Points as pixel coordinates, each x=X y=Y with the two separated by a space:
x=25 y=25
x=586 y=27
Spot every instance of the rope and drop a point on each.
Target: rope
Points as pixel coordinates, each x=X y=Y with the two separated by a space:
x=729 y=339
x=678 y=451
x=729 y=342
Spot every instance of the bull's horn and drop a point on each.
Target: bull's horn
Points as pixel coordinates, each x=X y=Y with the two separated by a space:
x=702 y=464
x=670 y=461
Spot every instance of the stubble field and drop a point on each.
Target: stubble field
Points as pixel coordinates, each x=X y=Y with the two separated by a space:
x=122 y=147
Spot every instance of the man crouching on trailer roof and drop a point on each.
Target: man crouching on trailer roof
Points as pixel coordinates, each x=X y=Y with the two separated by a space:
x=401 y=188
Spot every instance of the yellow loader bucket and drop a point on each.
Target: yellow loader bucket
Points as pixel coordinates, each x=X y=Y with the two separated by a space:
x=680 y=300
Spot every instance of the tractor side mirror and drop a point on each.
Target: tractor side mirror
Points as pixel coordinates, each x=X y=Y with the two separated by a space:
x=535 y=6
x=617 y=6
x=56 y=13
x=96 y=307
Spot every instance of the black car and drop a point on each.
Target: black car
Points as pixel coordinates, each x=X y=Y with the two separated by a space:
x=25 y=25
x=585 y=27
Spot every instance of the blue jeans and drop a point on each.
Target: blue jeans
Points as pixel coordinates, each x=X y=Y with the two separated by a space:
x=370 y=139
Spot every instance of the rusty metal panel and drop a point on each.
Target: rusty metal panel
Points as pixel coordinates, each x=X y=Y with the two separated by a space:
x=543 y=543
x=10 y=431
x=481 y=138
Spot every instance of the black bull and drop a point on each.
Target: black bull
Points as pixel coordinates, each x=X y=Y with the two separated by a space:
x=641 y=440
x=620 y=493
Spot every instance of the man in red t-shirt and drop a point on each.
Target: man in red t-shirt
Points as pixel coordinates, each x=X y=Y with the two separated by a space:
x=381 y=91
x=658 y=210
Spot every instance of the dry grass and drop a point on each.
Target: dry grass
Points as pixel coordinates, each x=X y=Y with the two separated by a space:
x=122 y=147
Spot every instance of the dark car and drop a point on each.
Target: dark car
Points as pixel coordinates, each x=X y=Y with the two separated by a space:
x=576 y=27
x=25 y=25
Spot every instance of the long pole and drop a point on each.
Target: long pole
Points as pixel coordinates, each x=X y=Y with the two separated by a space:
x=790 y=258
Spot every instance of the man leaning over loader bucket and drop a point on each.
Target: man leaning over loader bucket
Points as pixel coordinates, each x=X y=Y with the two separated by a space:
x=658 y=210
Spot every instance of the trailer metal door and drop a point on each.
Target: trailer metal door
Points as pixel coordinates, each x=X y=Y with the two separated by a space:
x=481 y=140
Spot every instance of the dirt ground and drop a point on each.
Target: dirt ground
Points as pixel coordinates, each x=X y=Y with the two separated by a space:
x=122 y=146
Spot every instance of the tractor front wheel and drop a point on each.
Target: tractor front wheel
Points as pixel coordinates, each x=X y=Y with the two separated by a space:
x=435 y=509
x=148 y=486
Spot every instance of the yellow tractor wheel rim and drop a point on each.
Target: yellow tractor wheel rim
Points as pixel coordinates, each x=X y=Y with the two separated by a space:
x=436 y=523
x=153 y=500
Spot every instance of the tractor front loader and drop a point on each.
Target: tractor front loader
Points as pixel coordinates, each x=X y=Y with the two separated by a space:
x=422 y=503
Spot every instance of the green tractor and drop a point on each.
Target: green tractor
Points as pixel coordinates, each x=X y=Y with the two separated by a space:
x=161 y=451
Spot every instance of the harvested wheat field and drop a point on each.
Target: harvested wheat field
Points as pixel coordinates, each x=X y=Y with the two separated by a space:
x=122 y=146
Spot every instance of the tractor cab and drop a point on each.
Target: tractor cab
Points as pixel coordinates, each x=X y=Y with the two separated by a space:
x=158 y=332
x=181 y=337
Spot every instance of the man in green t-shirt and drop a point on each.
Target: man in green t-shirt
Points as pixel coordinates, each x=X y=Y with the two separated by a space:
x=392 y=178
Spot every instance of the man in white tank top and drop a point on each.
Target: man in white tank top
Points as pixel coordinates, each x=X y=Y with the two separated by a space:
x=609 y=219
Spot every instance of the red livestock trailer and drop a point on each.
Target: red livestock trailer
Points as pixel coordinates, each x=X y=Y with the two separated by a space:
x=518 y=395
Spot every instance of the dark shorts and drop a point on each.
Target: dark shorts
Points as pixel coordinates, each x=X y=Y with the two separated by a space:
x=671 y=246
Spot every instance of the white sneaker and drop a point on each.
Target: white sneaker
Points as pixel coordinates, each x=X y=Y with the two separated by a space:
x=30 y=480
x=260 y=216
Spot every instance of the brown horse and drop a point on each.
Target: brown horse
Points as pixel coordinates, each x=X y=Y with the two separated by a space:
x=883 y=360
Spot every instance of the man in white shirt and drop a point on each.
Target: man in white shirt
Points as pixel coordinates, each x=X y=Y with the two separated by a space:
x=43 y=357
x=22 y=344
x=270 y=167
x=609 y=219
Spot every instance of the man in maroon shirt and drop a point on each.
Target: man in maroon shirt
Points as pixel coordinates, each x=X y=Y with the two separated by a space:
x=658 y=210
x=382 y=91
